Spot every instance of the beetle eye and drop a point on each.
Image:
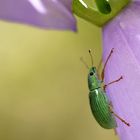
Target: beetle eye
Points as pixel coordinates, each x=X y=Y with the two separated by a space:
x=91 y=73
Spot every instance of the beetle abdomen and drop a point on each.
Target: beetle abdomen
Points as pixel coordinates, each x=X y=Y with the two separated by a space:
x=100 y=109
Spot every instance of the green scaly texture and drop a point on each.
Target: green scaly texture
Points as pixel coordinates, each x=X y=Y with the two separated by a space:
x=99 y=105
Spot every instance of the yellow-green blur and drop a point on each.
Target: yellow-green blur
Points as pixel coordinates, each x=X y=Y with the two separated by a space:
x=43 y=84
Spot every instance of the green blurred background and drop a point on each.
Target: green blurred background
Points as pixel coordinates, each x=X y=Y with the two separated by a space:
x=43 y=84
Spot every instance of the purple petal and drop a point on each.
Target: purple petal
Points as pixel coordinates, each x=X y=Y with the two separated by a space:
x=123 y=34
x=54 y=14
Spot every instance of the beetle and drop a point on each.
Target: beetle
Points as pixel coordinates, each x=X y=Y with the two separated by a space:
x=100 y=105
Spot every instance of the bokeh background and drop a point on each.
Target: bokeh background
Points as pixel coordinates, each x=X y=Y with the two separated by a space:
x=43 y=84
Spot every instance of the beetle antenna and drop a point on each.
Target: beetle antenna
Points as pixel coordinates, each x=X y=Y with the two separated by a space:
x=91 y=57
x=82 y=60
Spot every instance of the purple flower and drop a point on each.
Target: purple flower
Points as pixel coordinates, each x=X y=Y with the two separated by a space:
x=53 y=14
x=123 y=34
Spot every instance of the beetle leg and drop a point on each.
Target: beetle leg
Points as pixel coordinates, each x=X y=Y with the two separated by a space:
x=122 y=120
x=115 y=131
x=104 y=87
x=111 y=107
x=102 y=74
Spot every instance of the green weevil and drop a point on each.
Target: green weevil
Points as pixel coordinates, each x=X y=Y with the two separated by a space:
x=100 y=105
x=103 y=6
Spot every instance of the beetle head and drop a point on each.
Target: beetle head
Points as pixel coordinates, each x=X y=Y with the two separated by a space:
x=93 y=81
